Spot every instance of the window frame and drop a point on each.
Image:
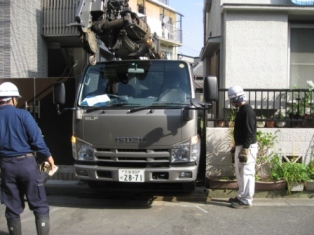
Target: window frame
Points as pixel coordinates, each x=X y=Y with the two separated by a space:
x=292 y=26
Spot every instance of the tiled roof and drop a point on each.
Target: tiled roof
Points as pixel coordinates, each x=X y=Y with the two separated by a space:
x=198 y=69
x=198 y=75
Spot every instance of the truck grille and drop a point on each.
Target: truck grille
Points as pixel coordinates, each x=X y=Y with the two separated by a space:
x=131 y=158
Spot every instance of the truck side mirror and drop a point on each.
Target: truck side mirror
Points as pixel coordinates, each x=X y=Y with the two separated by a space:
x=58 y=93
x=210 y=91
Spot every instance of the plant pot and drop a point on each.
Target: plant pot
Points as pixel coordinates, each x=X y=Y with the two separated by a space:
x=231 y=124
x=260 y=124
x=309 y=185
x=219 y=183
x=270 y=186
x=220 y=123
x=280 y=124
x=270 y=124
x=297 y=187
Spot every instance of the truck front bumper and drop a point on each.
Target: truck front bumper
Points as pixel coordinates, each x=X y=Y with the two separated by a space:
x=161 y=175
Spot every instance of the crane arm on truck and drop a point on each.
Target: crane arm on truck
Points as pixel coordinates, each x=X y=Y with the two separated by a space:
x=122 y=31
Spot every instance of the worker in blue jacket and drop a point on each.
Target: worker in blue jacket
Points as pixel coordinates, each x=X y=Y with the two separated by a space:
x=19 y=138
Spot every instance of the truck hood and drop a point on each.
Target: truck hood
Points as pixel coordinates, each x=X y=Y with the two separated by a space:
x=142 y=129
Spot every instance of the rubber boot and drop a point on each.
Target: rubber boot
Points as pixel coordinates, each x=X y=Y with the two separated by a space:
x=14 y=227
x=42 y=225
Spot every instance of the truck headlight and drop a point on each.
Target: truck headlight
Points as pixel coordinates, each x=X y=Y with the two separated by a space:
x=186 y=151
x=82 y=150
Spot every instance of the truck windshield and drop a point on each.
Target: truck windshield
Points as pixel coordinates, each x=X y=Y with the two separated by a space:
x=136 y=84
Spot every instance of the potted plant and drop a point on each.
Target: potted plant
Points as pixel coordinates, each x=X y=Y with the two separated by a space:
x=301 y=106
x=260 y=121
x=268 y=167
x=265 y=142
x=270 y=123
x=309 y=184
x=275 y=179
x=280 y=120
x=276 y=169
x=295 y=174
x=220 y=123
x=232 y=116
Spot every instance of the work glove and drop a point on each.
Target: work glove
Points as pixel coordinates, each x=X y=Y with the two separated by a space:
x=243 y=155
x=44 y=170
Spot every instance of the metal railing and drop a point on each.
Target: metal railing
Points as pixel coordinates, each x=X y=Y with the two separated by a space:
x=170 y=32
x=295 y=107
x=57 y=15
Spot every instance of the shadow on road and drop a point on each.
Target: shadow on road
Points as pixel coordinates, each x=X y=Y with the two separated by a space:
x=120 y=195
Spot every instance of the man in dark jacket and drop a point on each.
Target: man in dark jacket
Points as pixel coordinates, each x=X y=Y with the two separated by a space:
x=19 y=138
x=245 y=148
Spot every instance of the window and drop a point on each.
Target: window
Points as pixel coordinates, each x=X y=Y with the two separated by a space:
x=301 y=55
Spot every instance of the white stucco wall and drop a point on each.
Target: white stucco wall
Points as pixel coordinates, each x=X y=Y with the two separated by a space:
x=213 y=18
x=291 y=142
x=255 y=49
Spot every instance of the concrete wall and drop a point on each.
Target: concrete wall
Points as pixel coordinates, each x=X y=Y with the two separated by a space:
x=23 y=50
x=291 y=142
x=5 y=39
x=28 y=56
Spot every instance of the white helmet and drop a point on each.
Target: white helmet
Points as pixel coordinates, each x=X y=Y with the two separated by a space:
x=236 y=94
x=8 y=90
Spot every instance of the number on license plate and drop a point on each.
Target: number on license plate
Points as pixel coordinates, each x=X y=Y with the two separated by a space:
x=131 y=175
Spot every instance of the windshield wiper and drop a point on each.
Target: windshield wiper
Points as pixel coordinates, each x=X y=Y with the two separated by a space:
x=141 y=108
x=158 y=105
x=92 y=109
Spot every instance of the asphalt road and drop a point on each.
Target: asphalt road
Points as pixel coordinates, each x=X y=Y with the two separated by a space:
x=76 y=209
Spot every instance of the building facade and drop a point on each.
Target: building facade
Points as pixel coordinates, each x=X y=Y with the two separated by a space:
x=265 y=40
x=23 y=50
x=259 y=44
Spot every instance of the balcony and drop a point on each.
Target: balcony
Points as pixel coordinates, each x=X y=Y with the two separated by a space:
x=169 y=32
x=293 y=107
x=56 y=16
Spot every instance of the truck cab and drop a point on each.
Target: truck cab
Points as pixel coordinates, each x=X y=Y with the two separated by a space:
x=135 y=121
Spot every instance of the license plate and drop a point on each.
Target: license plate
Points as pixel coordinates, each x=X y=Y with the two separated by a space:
x=131 y=175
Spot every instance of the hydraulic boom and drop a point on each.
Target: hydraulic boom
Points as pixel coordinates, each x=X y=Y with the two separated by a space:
x=122 y=31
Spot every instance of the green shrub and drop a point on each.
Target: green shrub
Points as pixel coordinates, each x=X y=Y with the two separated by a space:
x=311 y=169
x=276 y=169
x=295 y=173
x=265 y=142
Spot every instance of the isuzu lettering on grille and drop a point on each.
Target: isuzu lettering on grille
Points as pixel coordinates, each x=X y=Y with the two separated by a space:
x=131 y=140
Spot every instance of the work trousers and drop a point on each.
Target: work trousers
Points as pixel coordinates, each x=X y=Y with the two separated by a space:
x=20 y=176
x=245 y=173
